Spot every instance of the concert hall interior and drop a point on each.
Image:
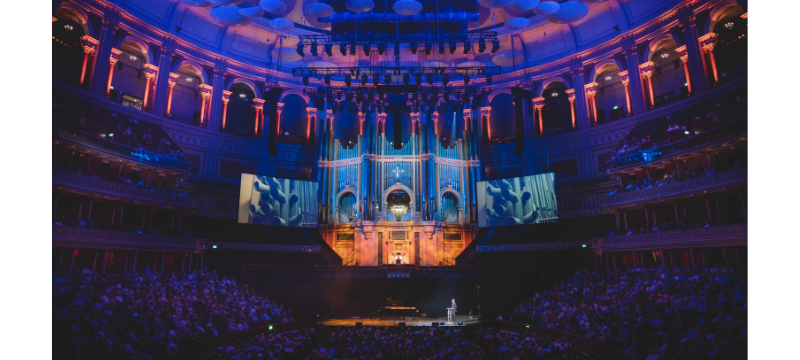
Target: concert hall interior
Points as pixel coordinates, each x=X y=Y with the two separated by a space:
x=401 y=179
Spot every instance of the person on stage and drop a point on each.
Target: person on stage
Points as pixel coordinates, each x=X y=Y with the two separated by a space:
x=454 y=307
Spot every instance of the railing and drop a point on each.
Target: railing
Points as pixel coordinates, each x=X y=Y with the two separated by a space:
x=555 y=245
x=727 y=178
x=66 y=236
x=117 y=190
x=72 y=134
x=727 y=235
x=269 y=247
x=381 y=270
x=185 y=120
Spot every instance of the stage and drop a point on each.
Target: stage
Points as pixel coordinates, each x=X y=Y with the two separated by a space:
x=376 y=321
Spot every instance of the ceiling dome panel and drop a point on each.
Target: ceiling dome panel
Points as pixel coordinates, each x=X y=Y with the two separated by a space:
x=507 y=58
x=251 y=11
x=467 y=64
x=407 y=7
x=516 y=23
x=273 y=6
x=229 y=16
x=524 y=5
x=569 y=12
x=546 y=8
x=359 y=6
x=319 y=10
x=281 y=24
x=495 y=3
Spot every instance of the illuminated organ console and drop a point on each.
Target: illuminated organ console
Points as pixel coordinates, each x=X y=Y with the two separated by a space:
x=416 y=204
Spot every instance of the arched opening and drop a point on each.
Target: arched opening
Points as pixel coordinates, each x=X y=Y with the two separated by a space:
x=68 y=51
x=398 y=206
x=501 y=122
x=294 y=120
x=451 y=123
x=449 y=207
x=186 y=99
x=241 y=115
x=730 y=52
x=129 y=81
x=611 y=100
x=669 y=77
x=348 y=208
x=556 y=112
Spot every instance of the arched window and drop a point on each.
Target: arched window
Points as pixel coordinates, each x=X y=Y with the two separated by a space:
x=348 y=208
x=186 y=99
x=294 y=120
x=730 y=52
x=669 y=77
x=556 y=112
x=611 y=100
x=129 y=81
x=67 y=48
x=241 y=115
x=449 y=208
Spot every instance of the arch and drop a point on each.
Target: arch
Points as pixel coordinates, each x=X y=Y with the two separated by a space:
x=449 y=190
x=247 y=82
x=497 y=92
x=141 y=44
x=551 y=80
x=78 y=15
x=654 y=44
x=343 y=193
x=295 y=92
x=605 y=64
x=722 y=11
x=199 y=69
x=387 y=192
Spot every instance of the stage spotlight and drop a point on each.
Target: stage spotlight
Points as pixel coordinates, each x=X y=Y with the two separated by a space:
x=467 y=47
x=387 y=79
x=300 y=50
x=396 y=48
x=481 y=45
x=343 y=49
x=418 y=78
x=428 y=47
x=413 y=47
x=367 y=48
x=441 y=47
x=495 y=46
x=305 y=80
x=445 y=79
x=328 y=80
x=466 y=79
x=364 y=80
x=375 y=80
x=429 y=79
x=329 y=49
x=352 y=48
x=406 y=79
x=488 y=79
x=314 y=51
x=452 y=46
x=347 y=80
x=381 y=48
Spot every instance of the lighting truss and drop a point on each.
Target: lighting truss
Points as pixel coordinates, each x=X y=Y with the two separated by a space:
x=396 y=71
x=485 y=36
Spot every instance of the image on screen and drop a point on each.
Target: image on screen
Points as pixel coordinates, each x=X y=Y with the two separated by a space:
x=267 y=200
x=516 y=201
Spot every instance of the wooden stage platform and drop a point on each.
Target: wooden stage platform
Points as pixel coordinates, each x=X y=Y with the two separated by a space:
x=365 y=320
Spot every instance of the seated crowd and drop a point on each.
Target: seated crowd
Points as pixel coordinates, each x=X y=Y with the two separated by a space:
x=652 y=314
x=83 y=171
x=148 y=315
x=670 y=225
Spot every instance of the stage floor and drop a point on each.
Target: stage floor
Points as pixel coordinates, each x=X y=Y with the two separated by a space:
x=365 y=320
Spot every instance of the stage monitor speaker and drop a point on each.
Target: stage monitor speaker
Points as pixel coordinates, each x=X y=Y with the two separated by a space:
x=272 y=97
x=359 y=325
x=402 y=324
x=520 y=95
x=435 y=324
x=461 y=323
x=441 y=323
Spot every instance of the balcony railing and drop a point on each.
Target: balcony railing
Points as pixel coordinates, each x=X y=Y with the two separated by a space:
x=65 y=236
x=735 y=176
x=116 y=190
x=729 y=235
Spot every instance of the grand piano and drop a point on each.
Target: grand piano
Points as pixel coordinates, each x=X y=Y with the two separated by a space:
x=396 y=309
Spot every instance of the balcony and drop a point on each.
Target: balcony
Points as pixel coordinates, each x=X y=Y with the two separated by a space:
x=729 y=235
x=64 y=236
x=108 y=189
x=718 y=181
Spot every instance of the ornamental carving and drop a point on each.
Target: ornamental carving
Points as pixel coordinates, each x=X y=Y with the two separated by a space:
x=187 y=139
x=237 y=149
x=647 y=68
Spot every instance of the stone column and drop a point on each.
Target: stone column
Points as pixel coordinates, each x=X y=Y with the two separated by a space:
x=112 y=60
x=89 y=49
x=708 y=42
x=638 y=104
x=173 y=79
x=215 y=102
x=571 y=97
x=226 y=96
x=278 y=118
x=591 y=91
x=259 y=105
x=205 y=91
x=626 y=82
x=311 y=116
x=581 y=108
x=538 y=104
x=486 y=111
x=381 y=122
x=150 y=72
x=695 y=61
x=685 y=58
x=104 y=52
x=164 y=83
x=646 y=71
x=361 y=118
x=467 y=113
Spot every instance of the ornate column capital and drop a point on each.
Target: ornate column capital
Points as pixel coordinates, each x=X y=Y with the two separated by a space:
x=328 y=112
x=744 y=16
x=708 y=41
x=591 y=88
x=362 y=116
x=226 y=96
x=682 y=51
x=538 y=103
x=467 y=112
x=647 y=68
x=311 y=111
x=150 y=71
x=578 y=71
x=414 y=117
x=205 y=90
x=623 y=76
x=258 y=103
x=173 y=79
x=381 y=117
x=220 y=71
x=486 y=110
x=435 y=116
x=570 y=95
x=89 y=44
x=115 y=53
x=280 y=109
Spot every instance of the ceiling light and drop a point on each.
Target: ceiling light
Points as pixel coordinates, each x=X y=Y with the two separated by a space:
x=488 y=79
x=664 y=55
x=481 y=45
x=305 y=80
x=441 y=47
x=367 y=48
x=418 y=78
x=406 y=79
x=328 y=80
x=352 y=48
x=413 y=47
x=68 y=27
x=387 y=79
x=188 y=79
x=300 y=50
x=375 y=80
x=608 y=78
x=343 y=49
x=428 y=47
x=364 y=79
x=329 y=49
x=396 y=48
x=132 y=57
x=554 y=94
x=314 y=50
x=347 y=80
x=466 y=79
x=495 y=46
x=429 y=79
x=445 y=79
x=242 y=95
x=381 y=48
x=727 y=26
x=452 y=46
x=467 y=47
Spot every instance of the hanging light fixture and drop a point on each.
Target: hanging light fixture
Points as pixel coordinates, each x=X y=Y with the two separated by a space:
x=428 y=47
x=300 y=49
x=314 y=50
x=467 y=47
x=364 y=79
x=488 y=79
x=452 y=46
x=495 y=46
x=481 y=45
x=352 y=48
x=413 y=47
x=608 y=77
x=328 y=80
x=329 y=49
x=305 y=80
x=375 y=79
x=441 y=47
x=396 y=48
x=466 y=79
x=367 y=48
x=381 y=48
x=347 y=80
x=387 y=79
x=429 y=79
x=418 y=78
x=445 y=79
x=343 y=49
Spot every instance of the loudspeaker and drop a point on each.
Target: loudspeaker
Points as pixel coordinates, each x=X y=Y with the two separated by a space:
x=398 y=139
x=519 y=117
x=402 y=324
x=272 y=97
x=435 y=324
x=359 y=325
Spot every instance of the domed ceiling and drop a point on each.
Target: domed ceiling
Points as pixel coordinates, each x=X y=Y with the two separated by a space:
x=531 y=32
